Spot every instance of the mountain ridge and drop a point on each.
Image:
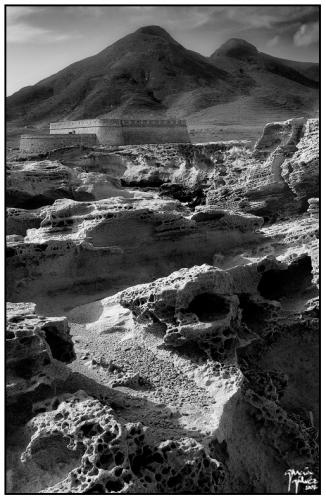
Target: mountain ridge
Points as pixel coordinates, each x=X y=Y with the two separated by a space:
x=148 y=73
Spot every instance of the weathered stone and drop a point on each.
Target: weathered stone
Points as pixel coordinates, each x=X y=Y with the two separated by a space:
x=34 y=344
x=284 y=134
x=201 y=305
x=19 y=220
x=114 y=457
x=301 y=172
x=83 y=242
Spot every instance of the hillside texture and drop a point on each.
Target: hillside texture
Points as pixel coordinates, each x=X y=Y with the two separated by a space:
x=148 y=73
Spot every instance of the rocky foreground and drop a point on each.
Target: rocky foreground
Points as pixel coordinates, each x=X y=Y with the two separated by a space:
x=163 y=316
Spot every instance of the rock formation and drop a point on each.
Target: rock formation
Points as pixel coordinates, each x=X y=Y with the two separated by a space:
x=163 y=330
x=115 y=457
x=240 y=316
x=33 y=184
x=269 y=187
x=18 y=220
x=80 y=243
x=36 y=348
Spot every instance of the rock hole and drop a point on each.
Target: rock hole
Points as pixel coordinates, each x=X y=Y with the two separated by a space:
x=113 y=485
x=209 y=307
x=61 y=349
x=276 y=283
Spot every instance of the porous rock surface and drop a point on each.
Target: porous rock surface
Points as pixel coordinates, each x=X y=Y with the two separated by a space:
x=243 y=316
x=301 y=172
x=174 y=344
x=200 y=305
x=120 y=241
x=34 y=344
x=33 y=184
x=117 y=457
x=277 y=178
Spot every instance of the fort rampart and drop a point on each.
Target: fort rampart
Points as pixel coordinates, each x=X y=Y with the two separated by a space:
x=35 y=144
x=120 y=132
x=111 y=132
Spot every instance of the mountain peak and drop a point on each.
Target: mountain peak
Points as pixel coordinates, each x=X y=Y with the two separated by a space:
x=238 y=49
x=153 y=31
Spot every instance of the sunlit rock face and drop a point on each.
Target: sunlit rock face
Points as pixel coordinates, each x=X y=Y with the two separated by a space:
x=163 y=335
x=277 y=178
x=243 y=316
x=301 y=171
x=33 y=184
x=107 y=456
x=280 y=134
x=119 y=241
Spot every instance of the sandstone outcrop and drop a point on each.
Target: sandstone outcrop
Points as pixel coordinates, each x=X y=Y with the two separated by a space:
x=173 y=346
x=19 y=220
x=284 y=134
x=202 y=305
x=247 y=316
x=33 y=184
x=301 y=172
x=85 y=242
x=112 y=457
x=182 y=171
x=313 y=209
x=277 y=178
x=36 y=348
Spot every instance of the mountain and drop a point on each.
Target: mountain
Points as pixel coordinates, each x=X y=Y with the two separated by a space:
x=244 y=52
x=139 y=73
x=148 y=73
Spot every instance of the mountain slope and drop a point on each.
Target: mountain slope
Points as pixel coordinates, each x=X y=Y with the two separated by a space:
x=282 y=89
x=136 y=73
x=148 y=73
x=241 y=51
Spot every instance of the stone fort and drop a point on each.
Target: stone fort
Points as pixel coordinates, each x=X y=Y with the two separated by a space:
x=110 y=132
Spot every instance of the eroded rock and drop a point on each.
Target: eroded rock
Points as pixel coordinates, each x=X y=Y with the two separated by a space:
x=203 y=305
x=36 y=348
x=19 y=220
x=120 y=241
x=301 y=172
x=279 y=134
x=115 y=457
x=33 y=184
x=277 y=178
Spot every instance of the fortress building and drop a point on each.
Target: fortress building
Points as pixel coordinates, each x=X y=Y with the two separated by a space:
x=111 y=132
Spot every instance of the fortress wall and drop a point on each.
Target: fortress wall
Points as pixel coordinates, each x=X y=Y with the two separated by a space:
x=120 y=132
x=34 y=144
x=108 y=132
x=109 y=135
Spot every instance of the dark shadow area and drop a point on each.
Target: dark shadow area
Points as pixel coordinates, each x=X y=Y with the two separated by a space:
x=153 y=181
x=276 y=284
x=61 y=349
x=209 y=307
x=22 y=200
x=192 y=197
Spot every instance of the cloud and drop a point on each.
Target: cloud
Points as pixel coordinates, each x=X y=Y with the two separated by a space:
x=20 y=27
x=306 y=35
x=273 y=41
x=22 y=32
x=297 y=15
x=13 y=14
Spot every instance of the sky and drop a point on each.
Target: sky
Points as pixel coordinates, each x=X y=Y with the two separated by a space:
x=42 y=40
